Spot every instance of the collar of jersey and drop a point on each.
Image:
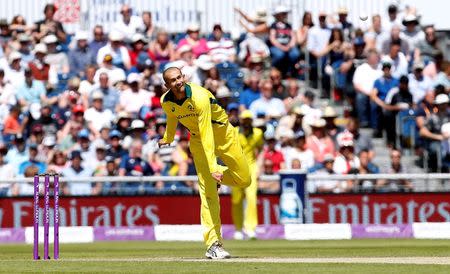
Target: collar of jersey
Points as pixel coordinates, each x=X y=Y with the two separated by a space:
x=170 y=97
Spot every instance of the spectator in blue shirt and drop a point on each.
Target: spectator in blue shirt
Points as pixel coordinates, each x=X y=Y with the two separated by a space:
x=76 y=170
x=381 y=88
x=32 y=91
x=99 y=40
x=250 y=94
x=33 y=152
x=81 y=56
x=133 y=165
x=18 y=153
x=110 y=94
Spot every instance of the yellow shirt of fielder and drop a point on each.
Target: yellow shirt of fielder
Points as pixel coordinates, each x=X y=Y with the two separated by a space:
x=200 y=114
x=251 y=143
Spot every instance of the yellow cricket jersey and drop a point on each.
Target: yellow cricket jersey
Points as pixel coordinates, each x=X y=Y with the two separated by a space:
x=251 y=143
x=200 y=113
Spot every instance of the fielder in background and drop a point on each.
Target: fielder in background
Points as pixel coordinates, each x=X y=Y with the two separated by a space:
x=211 y=136
x=252 y=142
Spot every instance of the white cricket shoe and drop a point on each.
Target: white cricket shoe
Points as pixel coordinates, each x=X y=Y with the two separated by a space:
x=238 y=235
x=216 y=252
x=251 y=235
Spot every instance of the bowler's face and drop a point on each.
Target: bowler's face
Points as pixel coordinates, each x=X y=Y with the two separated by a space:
x=174 y=80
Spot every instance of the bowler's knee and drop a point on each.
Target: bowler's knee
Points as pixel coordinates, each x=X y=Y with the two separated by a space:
x=244 y=180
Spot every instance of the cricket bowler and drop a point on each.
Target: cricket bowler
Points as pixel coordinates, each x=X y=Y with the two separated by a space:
x=212 y=136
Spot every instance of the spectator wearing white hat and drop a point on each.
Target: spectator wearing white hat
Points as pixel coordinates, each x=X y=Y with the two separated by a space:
x=343 y=23
x=25 y=47
x=81 y=56
x=118 y=52
x=419 y=84
x=97 y=116
x=398 y=60
x=14 y=73
x=58 y=59
x=138 y=48
x=129 y=24
x=7 y=95
x=319 y=142
x=42 y=70
x=193 y=39
x=283 y=51
x=412 y=33
x=346 y=162
x=134 y=98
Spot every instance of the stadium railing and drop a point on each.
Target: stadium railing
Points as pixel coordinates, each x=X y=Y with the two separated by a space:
x=422 y=181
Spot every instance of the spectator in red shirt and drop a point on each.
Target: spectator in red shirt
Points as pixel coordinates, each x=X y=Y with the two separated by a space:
x=271 y=153
x=138 y=42
x=319 y=142
x=193 y=39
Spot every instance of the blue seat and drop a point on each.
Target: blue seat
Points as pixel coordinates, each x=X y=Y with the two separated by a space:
x=233 y=77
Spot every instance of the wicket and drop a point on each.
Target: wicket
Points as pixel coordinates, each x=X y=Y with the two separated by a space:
x=46 y=216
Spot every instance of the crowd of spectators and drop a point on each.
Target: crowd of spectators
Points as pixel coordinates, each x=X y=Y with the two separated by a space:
x=87 y=104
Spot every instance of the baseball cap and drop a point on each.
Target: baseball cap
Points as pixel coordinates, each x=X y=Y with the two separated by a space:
x=246 y=114
x=40 y=48
x=318 y=123
x=138 y=37
x=14 y=56
x=133 y=77
x=115 y=36
x=77 y=108
x=418 y=65
x=107 y=58
x=97 y=95
x=18 y=138
x=49 y=141
x=33 y=146
x=232 y=106
x=137 y=124
x=84 y=133
x=81 y=35
x=115 y=134
x=269 y=135
x=193 y=27
x=329 y=112
x=144 y=60
x=345 y=139
x=50 y=39
x=75 y=154
x=441 y=99
x=328 y=158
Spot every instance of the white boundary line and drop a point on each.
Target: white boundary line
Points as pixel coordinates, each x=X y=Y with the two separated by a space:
x=341 y=260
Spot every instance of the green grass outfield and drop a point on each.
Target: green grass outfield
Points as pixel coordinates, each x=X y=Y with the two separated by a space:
x=398 y=256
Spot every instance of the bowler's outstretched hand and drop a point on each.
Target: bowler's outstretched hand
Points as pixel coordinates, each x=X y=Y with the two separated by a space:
x=217 y=176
